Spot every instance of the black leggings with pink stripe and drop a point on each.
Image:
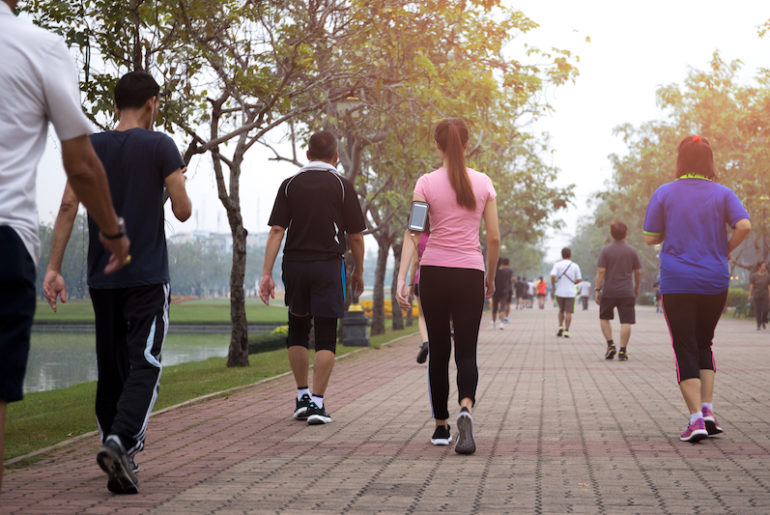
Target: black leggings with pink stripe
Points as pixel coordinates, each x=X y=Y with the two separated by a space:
x=691 y=319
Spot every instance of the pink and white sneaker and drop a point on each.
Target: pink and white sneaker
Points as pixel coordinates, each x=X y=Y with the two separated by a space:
x=695 y=432
x=710 y=421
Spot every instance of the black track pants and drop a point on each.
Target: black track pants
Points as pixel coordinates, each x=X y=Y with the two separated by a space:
x=456 y=295
x=131 y=326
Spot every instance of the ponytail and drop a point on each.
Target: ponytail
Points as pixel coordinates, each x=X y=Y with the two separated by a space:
x=451 y=135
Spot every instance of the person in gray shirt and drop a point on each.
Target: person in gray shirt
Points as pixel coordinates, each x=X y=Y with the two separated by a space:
x=617 y=286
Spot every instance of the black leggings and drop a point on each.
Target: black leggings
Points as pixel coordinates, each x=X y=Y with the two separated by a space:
x=456 y=295
x=691 y=320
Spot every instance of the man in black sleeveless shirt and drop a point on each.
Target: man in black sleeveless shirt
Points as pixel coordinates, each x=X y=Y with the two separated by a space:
x=319 y=208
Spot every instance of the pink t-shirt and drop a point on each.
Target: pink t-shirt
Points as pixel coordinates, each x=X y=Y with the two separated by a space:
x=454 y=230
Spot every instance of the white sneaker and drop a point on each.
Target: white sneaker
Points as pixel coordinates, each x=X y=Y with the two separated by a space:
x=502 y=325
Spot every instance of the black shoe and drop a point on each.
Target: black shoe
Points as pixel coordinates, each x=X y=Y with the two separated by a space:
x=423 y=354
x=610 y=352
x=119 y=466
x=560 y=331
x=622 y=355
x=465 y=442
x=316 y=415
x=441 y=436
x=300 y=411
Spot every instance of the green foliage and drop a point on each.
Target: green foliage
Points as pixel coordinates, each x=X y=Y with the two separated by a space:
x=737 y=298
x=74 y=266
x=731 y=115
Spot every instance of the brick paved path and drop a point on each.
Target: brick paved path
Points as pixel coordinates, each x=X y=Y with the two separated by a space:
x=558 y=430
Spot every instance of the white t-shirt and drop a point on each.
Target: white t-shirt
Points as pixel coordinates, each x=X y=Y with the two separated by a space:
x=567 y=273
x=584 y=289
x=38 y=84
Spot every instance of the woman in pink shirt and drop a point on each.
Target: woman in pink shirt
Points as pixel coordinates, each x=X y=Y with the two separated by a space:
x=452 y=282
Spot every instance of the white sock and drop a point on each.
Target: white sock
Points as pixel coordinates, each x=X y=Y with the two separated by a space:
x=707 y=405
x=318 y=399
x=695 y=416
x=302 y=391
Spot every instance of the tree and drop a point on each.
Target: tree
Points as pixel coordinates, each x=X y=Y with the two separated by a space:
x=715 y=105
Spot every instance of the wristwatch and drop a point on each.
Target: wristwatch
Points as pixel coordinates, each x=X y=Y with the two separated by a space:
x=121 y=230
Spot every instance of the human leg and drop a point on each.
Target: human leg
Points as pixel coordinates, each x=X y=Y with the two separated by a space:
x=146 y=312
x=298 y=341
x=606 y=329
x=325 y=347
x=17 y=309
x=111 y=356
x=3 y=404
x=625 y=335
x=680 y=311
x=467 y=301
x=434 y=294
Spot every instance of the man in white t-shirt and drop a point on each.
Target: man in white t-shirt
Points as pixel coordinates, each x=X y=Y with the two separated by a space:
x=565 y=274
x=38 y=82
x=584 y=291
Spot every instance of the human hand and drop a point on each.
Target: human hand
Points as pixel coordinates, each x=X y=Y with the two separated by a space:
x=598 y=297
x=118 y=249
x=53 y=286
x=357 y=283
x=402 y=294
x=266 y=289
x=489 y=284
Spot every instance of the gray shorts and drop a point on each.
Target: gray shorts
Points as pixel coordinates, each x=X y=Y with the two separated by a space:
x=566 y=304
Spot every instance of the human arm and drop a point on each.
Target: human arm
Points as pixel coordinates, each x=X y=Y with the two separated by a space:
x=89 y=183
x=408 y=255
x=741 y=229
x=181 y=205
x=413 y=275
x=600 y=272
x=493 y=245
x=266 y=284
x=637 y=281
x=653 y=239
x=356 y=240
x=53 y=283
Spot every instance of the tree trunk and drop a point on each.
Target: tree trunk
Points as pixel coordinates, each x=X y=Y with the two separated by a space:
x=238 y=354
x=378 y=296
x=398 y=319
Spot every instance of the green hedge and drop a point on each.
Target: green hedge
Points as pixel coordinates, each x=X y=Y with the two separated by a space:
x=274 y=340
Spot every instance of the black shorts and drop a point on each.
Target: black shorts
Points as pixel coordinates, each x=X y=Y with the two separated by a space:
x=566 y=304
x=315 y=287
x=625 y=305
x=17 y=309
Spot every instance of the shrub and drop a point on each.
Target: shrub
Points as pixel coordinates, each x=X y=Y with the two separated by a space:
x=737 y=297
x=263 y=342
x=367 y=305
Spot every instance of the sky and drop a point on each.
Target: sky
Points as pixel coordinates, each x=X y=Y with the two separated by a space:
x=634 y=48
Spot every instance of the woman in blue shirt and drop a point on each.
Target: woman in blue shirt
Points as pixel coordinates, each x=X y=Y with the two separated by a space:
x=689 y=216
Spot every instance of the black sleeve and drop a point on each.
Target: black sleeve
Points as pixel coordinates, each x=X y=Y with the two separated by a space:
x=353 y=217
x=281 y=214
x=168 y=156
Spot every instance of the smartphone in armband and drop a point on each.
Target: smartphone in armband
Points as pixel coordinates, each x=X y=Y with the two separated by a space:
x=418 y=216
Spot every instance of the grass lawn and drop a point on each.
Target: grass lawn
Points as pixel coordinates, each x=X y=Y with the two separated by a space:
x=193 y=311
x=45 y=418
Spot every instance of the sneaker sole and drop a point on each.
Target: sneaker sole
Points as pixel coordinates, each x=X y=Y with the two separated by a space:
x=317 y=420
x=441 y=441
x=695 y=436
x=300 y=414
x=120 y=480
x=712 y=428
x=465 y=442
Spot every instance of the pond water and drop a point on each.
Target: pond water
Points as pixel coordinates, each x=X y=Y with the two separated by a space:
x=58 y=360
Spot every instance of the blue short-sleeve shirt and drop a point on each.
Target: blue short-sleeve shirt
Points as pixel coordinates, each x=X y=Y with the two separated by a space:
x=692 y=215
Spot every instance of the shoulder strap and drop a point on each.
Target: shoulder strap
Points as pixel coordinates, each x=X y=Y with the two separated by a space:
x=564 y=272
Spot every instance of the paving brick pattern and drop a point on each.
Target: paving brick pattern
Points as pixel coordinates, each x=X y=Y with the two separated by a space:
x=558 y=430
